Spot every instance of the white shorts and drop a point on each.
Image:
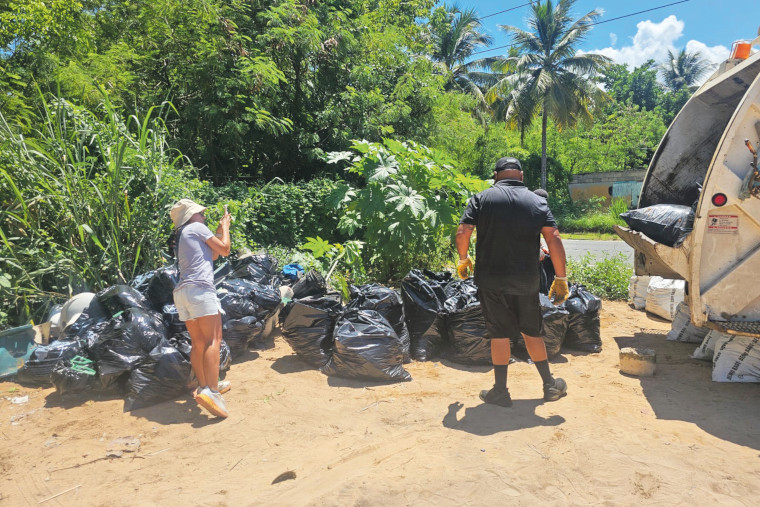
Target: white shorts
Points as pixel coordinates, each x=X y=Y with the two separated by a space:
x=193 y=302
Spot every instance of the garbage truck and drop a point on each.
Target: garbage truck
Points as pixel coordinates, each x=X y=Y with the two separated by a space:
x=708 y=158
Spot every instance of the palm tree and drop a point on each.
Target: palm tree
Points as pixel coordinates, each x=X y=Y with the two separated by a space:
x=547 y=74
x=683 y=69
x=455 y=37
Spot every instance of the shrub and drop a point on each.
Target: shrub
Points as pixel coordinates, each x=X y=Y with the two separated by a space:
x=607 y=278
x=406 y=207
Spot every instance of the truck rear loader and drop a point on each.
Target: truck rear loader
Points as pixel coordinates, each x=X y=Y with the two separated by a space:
x=709 y=156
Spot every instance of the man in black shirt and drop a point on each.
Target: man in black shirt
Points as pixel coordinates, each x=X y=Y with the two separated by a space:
x=510 y=218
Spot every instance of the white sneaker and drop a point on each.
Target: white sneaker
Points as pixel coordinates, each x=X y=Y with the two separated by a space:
x=222 y=386
x=212 y=401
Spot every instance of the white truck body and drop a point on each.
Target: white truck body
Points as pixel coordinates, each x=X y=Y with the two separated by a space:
x=706 y=145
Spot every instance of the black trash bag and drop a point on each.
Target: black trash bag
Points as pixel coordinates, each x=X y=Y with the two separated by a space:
x=388 y=303
x=468 y=342
x=125 y=342
x=163 y=376
x=184 y=344
x=240 y=286
x=269 y=300
x=433 y=343
x=171 y=320
x=119 y=298
x=225 y=357
x=311 y=284
x=68 y=379
x=141 y=282
x=556 y=319
x=87 y=327
x=259 y=268
x=668 y=224
x=440 y=277
x=460 y=294
x=546 y=271
x=37 y=370
x=423 y=298
x=160 y=290
x=266 y=297
x=236 y=306
x=239 y=332
x=366 y=347
x=308 y=324
x=222 y=272
x=583 y=327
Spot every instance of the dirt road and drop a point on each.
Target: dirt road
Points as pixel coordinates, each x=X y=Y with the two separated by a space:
x=675 y=438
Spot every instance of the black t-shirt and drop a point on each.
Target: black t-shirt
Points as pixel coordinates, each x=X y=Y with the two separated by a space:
x=509 y=218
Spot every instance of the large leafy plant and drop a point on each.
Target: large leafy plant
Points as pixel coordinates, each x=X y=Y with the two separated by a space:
x=403 y=200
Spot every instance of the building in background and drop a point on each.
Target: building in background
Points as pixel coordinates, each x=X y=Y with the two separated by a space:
x=609 y=185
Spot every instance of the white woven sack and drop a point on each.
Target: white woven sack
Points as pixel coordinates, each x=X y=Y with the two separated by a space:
x=663 y=296
x=637 y=291
x=706 y=350
x=737 y=359
x=683 y=330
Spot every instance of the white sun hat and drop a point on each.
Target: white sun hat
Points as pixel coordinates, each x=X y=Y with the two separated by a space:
x=183 y=210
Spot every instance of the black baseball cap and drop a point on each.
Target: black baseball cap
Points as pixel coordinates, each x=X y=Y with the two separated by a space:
x=507 y=163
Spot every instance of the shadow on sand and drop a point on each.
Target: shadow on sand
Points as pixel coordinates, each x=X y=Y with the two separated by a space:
x=682 y=389
x=487 y=419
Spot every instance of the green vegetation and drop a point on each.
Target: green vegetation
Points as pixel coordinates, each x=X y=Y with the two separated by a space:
x=607 y=278
x=346 y=135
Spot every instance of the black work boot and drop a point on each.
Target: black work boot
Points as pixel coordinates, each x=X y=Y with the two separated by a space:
x=555 y=390
x=497 y=397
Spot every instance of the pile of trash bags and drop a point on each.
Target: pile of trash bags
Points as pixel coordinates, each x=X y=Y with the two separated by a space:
x=130 y=341
x=445 y=320
x=366 y=340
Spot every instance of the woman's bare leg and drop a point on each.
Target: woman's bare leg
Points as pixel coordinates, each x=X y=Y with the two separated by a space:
x=196 y=353
x=210 y=328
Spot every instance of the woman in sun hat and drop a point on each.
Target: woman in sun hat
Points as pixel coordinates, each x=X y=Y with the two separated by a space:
x=196 y=248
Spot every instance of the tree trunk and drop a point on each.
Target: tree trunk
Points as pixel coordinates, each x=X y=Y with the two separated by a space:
x=544 y=121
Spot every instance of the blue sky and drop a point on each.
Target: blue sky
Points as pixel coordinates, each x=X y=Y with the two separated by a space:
x=707 y=26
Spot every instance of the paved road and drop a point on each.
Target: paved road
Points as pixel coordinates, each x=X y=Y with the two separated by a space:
x=577 y=248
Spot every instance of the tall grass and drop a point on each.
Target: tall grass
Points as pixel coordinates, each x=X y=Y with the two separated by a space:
x=82 y=202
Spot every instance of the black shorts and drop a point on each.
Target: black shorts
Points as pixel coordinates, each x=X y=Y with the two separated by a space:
x=508 y=315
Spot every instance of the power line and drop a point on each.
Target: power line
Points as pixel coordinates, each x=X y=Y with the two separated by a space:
x=640 y=12
x=594 y=24
x=505 y=10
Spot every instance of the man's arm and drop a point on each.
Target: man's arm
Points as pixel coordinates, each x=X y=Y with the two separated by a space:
x=556 y=250
x=464 y=232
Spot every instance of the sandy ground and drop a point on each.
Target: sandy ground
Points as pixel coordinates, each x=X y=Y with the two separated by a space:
x=675 y=438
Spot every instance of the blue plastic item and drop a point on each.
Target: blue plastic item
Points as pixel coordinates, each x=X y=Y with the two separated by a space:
x=16 y=345
x=293 y=271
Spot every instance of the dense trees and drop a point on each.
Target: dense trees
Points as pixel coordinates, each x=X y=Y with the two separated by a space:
x=110 y=109
x=263 y=88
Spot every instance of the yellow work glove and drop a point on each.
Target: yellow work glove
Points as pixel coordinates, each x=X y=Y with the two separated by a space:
x=464 y=266
x=559 y=292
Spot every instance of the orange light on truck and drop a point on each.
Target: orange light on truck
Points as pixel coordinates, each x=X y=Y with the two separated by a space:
x=741 y=49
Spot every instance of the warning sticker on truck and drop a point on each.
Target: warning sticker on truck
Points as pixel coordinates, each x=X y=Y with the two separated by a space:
x=723 y=224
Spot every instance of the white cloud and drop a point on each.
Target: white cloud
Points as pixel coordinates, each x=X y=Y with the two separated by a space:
x=652 y=42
